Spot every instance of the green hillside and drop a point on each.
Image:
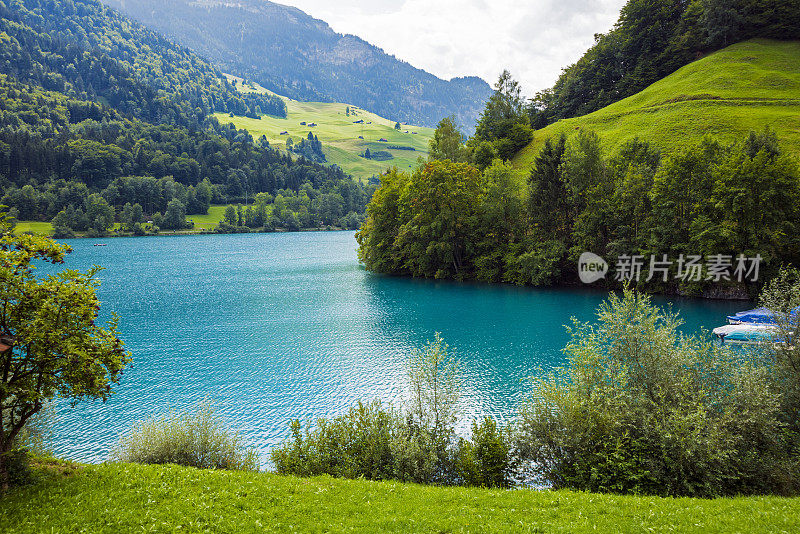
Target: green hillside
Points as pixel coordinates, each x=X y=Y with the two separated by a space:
x=338 y=133
x=726 y=94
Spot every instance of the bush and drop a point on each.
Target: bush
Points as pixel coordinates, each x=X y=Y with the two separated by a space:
x=196 y=439
x=38 y=431
x=17 y=464
x=356 y=444
x=351 y=221
x=413 y=445
x=63 y=232
x=225 y=228
x=381 y=155
x=485 y=461
x=642 y=409
x=782 y=296
x=31 y=440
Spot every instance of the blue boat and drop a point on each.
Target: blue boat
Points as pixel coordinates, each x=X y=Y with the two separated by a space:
x=763 y=316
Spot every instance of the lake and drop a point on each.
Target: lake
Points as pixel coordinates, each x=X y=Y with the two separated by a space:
x=272 y=327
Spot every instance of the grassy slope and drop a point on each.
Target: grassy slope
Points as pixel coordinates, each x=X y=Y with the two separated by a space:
x=201 y=222
x=338 y=134
x=210 y=221
x=129 y=498
x=727 y=94
x=40 y=228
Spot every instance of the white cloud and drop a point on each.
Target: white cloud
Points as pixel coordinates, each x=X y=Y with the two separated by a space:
x=533 y=39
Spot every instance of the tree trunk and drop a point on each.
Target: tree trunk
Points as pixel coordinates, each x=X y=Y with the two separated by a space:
x=4 y=478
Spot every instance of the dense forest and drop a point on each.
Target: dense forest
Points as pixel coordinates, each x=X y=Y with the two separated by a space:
x=293 y=54
x=652 y=39
x=99 y=125
x=89 y=51
x=450 y=220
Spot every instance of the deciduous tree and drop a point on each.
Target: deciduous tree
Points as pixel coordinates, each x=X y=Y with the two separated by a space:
x=50 y=342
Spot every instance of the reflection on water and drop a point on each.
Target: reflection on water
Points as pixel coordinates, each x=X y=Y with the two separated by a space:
x=272 y=327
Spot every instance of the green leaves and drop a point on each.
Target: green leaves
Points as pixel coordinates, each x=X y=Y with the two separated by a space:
x=641 y=409
x=56 y=347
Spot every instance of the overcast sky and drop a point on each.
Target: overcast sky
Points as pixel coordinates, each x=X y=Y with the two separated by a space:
x=534 y=39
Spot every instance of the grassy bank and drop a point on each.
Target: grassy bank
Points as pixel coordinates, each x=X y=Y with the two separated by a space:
x=210 y=221
x=727 y=94
x=202 y=223
x=129 y=498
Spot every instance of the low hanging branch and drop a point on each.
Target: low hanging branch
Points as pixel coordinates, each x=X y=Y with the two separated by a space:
x=50 y=344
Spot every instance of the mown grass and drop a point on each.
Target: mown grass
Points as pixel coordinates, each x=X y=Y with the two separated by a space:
x=201 y=223
x=339 y=134
x=134 y=498
x=209 y=221
x=39 y=228
x=726 y=94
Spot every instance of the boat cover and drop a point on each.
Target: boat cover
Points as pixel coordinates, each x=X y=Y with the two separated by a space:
x=746 y=333
x=758 y=316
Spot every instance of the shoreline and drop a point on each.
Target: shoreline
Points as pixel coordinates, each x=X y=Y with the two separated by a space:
x=196 y=233
x=727 y=294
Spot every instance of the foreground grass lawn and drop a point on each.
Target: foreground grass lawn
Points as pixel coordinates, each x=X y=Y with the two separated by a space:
x=131 y=498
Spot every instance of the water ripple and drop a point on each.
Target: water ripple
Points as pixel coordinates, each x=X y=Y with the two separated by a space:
x=274 y=327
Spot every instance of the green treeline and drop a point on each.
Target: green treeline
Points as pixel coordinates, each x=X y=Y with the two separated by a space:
x=292 y=210
x=103 y=121
x=450 y=220
x=50 y=164
x=652 y=39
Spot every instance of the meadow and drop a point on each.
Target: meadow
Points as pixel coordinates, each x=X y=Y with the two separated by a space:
x=202 y=223
x=125 y=498
x=39 y=228
x=343 y=139
x=210 y=221
x=727 y=94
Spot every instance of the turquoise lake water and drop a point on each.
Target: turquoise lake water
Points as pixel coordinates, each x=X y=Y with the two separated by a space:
x=272 y=327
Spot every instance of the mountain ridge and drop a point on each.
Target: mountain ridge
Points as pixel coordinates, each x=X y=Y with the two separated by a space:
x=106 y=125
x=317 y=63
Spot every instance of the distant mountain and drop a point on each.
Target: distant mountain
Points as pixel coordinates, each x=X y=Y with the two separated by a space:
x=87 y=50
x=293 y=54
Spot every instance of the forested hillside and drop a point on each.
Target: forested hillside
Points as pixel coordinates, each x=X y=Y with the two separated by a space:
x=654 y=38
x=705 y=201
x=293 y=54
x=343 y=135
x=104 y=122
x=88 y=50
